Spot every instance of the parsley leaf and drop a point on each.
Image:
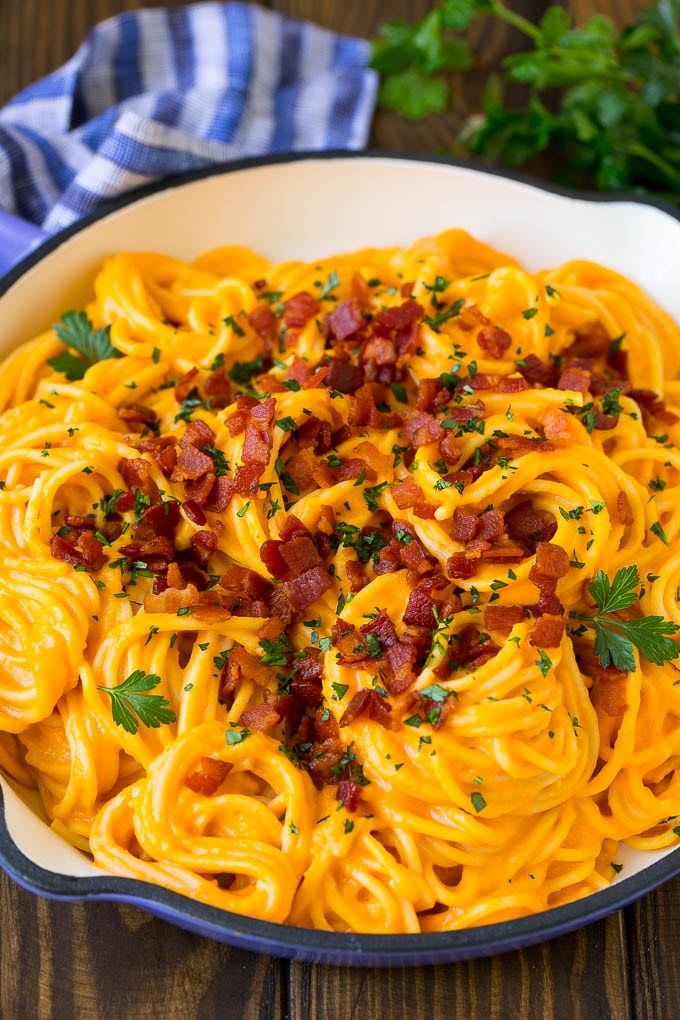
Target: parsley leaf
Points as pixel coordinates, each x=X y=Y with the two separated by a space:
x=615 y=638
x=131 y=703
x=76 y=331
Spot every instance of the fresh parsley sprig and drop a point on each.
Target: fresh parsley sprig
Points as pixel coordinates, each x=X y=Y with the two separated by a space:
x=614 y=638
x=93 y=345
x=603 y=104
x=131 y=703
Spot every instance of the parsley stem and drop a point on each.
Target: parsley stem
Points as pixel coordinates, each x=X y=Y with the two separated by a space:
x=515 y=19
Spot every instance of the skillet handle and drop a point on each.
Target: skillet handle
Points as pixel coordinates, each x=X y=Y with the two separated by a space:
x=17 y=238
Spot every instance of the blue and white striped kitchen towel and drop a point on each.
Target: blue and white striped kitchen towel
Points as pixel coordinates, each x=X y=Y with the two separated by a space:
x=155 y=92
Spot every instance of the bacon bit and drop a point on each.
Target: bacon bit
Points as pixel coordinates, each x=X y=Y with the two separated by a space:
x=185 y=384
x=308 y=587
x=210 y=614
x=192 y=463
x=551 y=560
x=382 y=628
x=299 y=309
x=420 y=428
x=523 y=444
x=204 y=544
x=306 y=683
x=503 y=553
x=138 y=416
x=343 y=376
x=429 y=393
x=494 y=341
x=349 y=794
x=194 y=512
x=414 y=557
x=299 y=554
x=345 y=320
x=653 y=407
x=548 y=603
x=576 y=379
x=218 y=389
x=263 y=321
x=529 y=526
x=463 y=525
x=247 y=478
x=82 y=523
x=503 y=617
x=136 y=474
x=537 y=372
x=82 y=551
x=407 y=493
x=608 y=689
x=471 y=317
x=590 y=341
x=401 y=657
x=219 y=496
x=490 y=525
x=198 y=490
x=459 y=567
x=390 y=320
x=197 y=433
x=422 y=610
x=624 y=512
x=512 y=384
x=557 y=426
x=241 y=665
x=261 y=718
x=547 y=632
x=356 y=575
x=315 y=433
x=207 y=776
x=172 y=599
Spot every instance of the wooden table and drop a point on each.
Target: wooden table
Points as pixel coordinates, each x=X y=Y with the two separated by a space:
x=62 y=960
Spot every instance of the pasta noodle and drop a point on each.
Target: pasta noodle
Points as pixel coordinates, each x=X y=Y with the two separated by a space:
x=302 y=577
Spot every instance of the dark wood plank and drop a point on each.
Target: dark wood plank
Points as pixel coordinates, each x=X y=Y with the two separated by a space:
x=578 y=977
x=654 y=952
x=61 y=960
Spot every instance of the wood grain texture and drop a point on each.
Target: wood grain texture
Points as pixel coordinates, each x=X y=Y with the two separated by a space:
x=60 y=960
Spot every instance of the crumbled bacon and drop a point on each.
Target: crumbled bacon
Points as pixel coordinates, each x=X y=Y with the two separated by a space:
x=345 y=320
x=207 y=775
x=459 y=567
x=367 y=701
x=343 y=376
x=82 y=550
x=529 y=526
x=261 y=718
x=494 y=341
x=192 y=463
x=349 y=793
x=264 y=322
x=137 y=416
x=136 y=474
x=299 y=309
x=503 y=617
x=538 y=372
x=308 y=587
x=422 y=610
x=185 y=384
x=574 y=378
x=547 y=631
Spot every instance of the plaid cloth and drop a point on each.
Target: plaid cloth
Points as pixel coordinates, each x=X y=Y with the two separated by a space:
x=157 y=92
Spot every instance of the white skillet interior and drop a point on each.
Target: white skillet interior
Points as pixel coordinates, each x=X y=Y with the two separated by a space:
x=317 y=207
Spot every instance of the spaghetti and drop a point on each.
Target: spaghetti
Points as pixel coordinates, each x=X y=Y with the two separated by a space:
x=299 y=581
